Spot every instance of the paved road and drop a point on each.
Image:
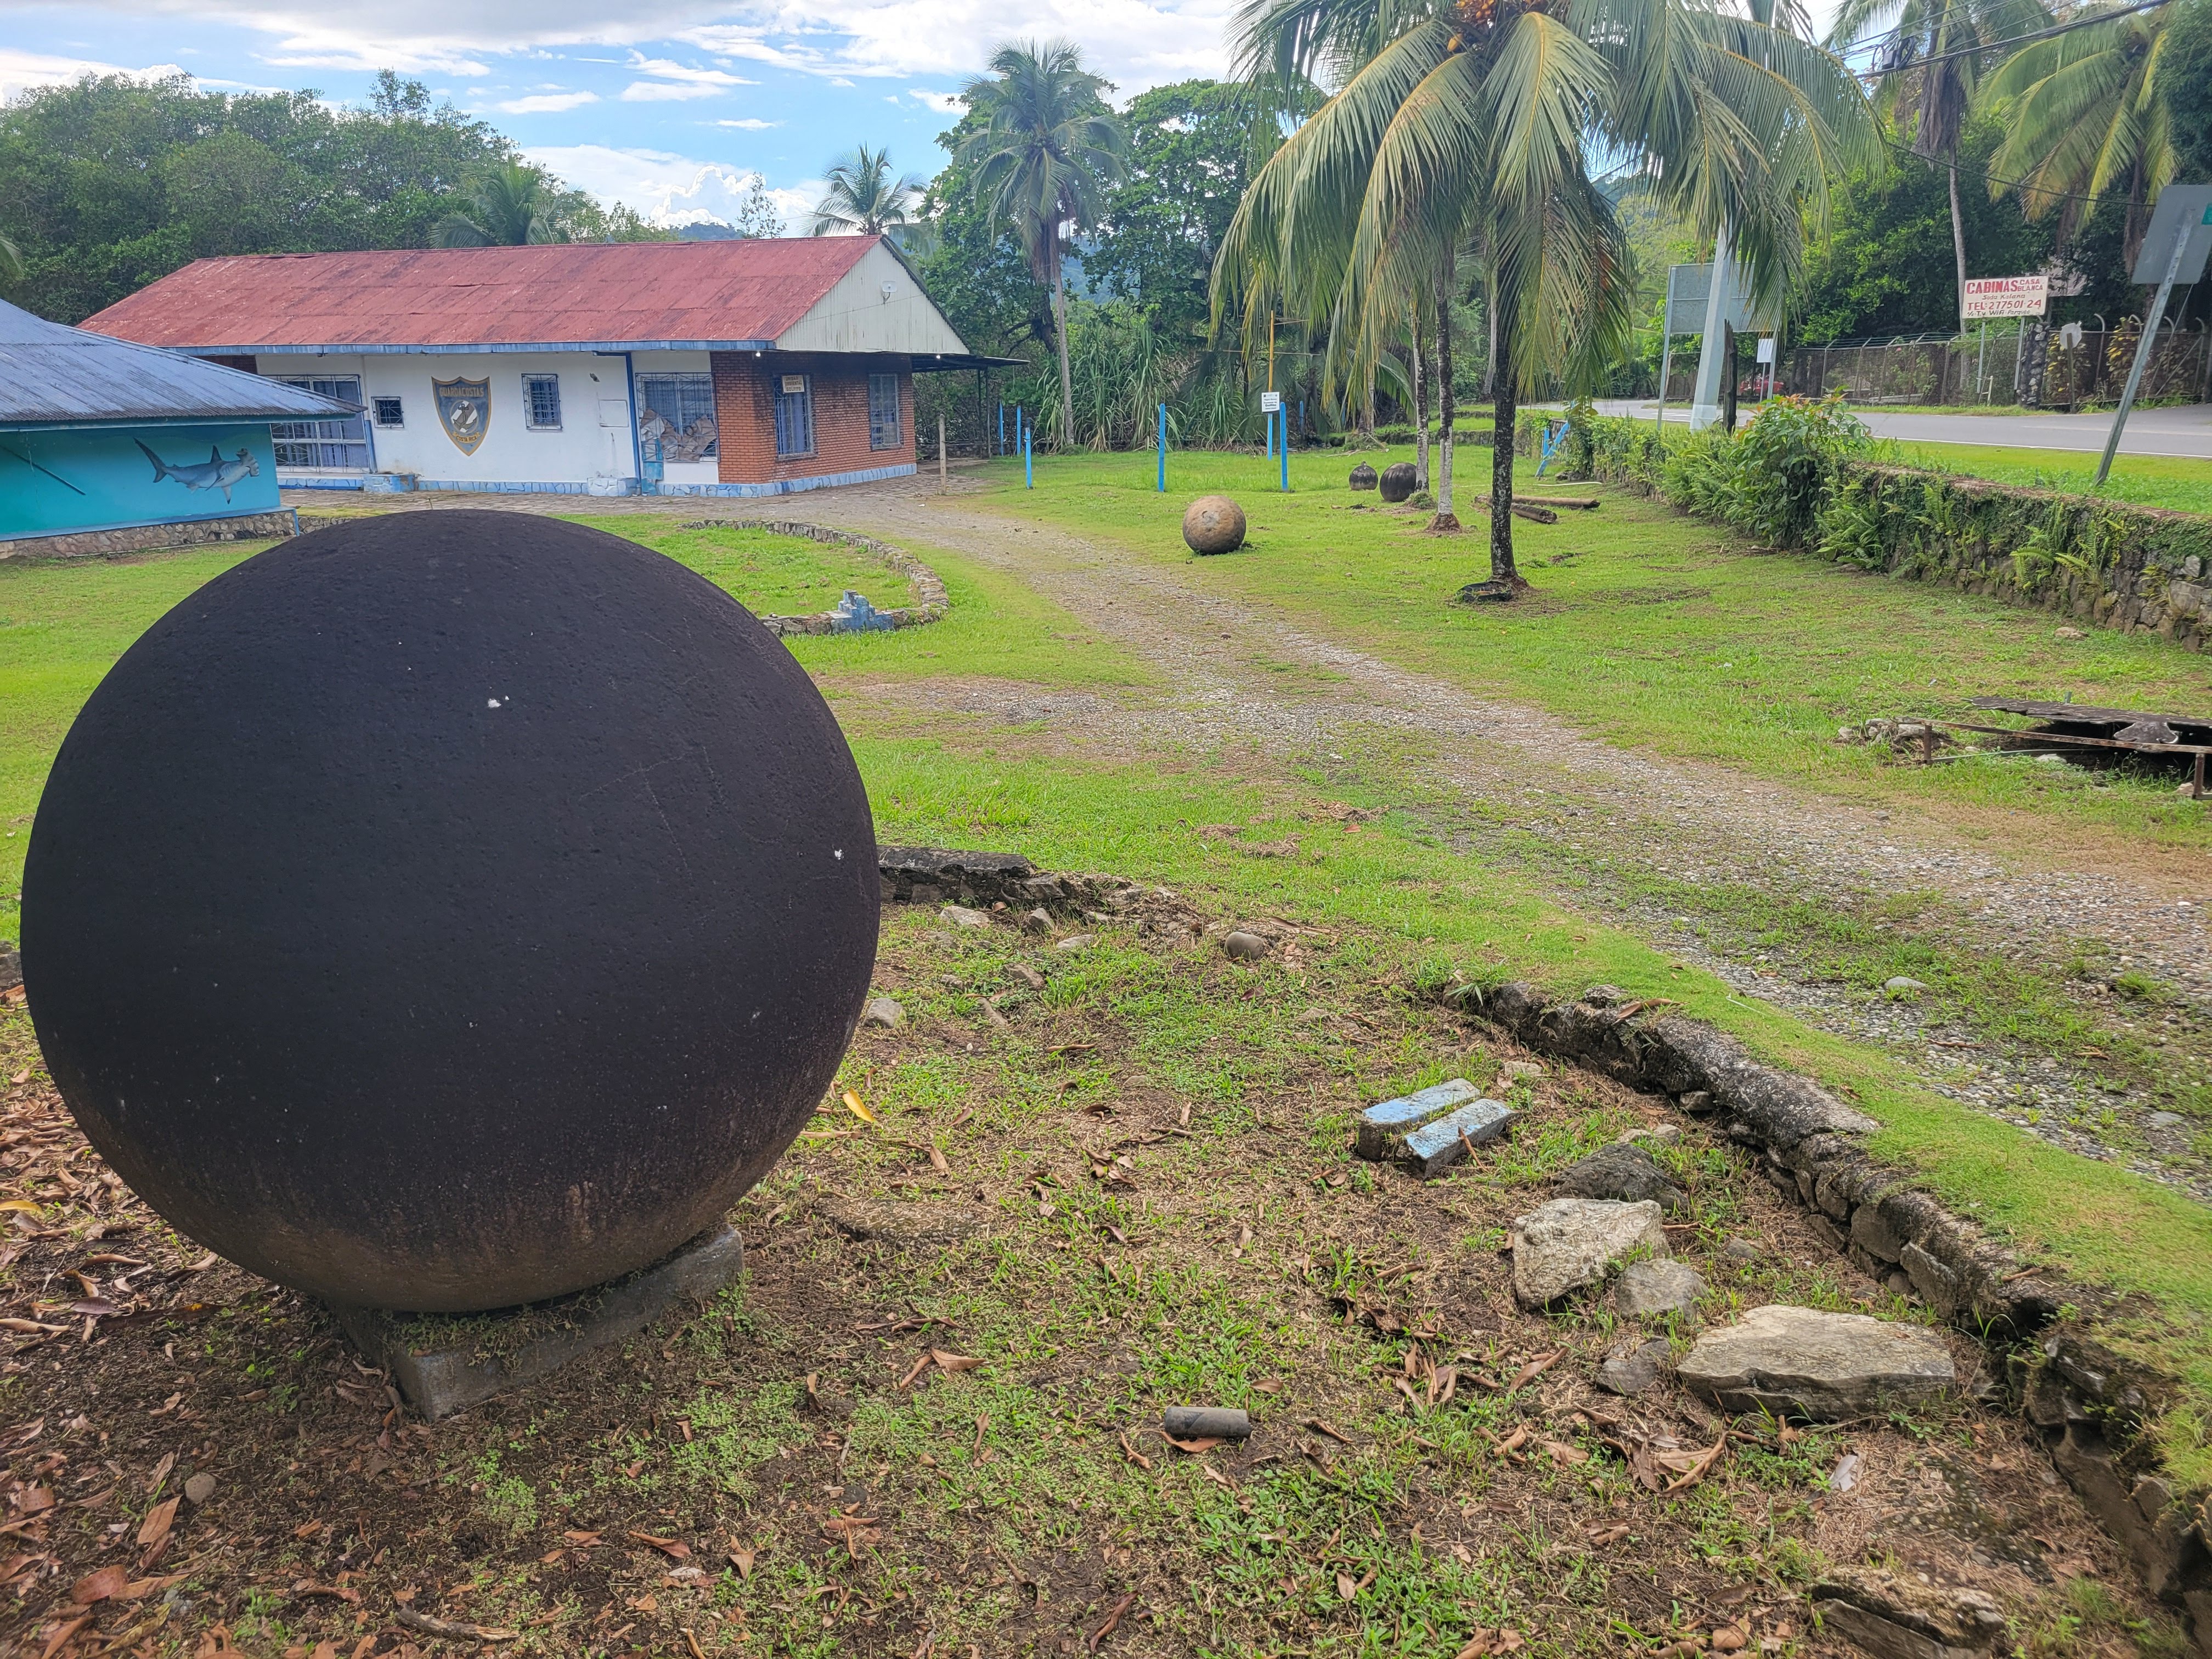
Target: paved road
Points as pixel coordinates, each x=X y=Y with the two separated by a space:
x=2185 y=431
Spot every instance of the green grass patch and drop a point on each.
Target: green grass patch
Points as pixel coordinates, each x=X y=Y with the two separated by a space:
x=1653 y=630
x=780 y=575
x=2182 y=482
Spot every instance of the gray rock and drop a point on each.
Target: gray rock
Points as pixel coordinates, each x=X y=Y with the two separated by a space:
x=1570 y=1242
x=1664 y=1134
x=1206 y=1423
x=1632 y=1365
x=1902 y=987
x=1650 y=1290
x=1383 y=1127
x=1744 y=1250
x=1622 y=1172
x=199 y=1489
x=1801 y=1362
x=1243 y=946
x=881 y=1010
x=1038 y=921
x=1696 y=1102
x=1894 y=1618
x=1027 y=974
x=1077 y=942
x=961 y=916
x=911 y=1224
x=1521 y=1068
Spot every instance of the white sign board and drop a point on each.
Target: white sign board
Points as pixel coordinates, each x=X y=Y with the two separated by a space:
x=2182 y=217
x=2006 y=296
x=793 y=385
x=1767 y=348
x=1270 y=402
x=1687 y=287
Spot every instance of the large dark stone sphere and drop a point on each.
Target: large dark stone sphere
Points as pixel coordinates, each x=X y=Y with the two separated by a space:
x=1397 y=481
x=449 y=909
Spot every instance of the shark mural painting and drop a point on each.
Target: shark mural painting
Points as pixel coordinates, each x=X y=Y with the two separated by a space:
x=213 y=473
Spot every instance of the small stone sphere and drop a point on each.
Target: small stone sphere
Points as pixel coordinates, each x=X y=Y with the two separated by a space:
x=1362 y=477
x=449 y=910
x=1397 y=481
x=1213 y=524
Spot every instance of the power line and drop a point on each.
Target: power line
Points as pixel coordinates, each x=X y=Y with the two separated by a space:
x=1984 y=174
x=2065 y=27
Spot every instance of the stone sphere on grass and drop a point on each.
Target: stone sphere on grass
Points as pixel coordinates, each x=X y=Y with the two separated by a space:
x=449 y=910
x=1362 y=477
x=1213 y=524
x=1397 y=481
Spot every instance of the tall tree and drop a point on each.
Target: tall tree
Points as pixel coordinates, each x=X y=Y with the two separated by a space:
x=863 y=198
x=1190 y=157
x=1460 y=124
x=509 y=206
x=1931 y=54
x=2084 y=113
x=1045 y=151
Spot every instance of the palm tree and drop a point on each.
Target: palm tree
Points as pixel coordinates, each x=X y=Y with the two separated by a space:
x=1042 y=156
x=509 y=206
x=1933 y=54
x=862 y=199
x=1461 y=127
x=2084 y=113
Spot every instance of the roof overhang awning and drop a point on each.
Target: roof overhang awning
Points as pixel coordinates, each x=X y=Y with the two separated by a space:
x=946 y=363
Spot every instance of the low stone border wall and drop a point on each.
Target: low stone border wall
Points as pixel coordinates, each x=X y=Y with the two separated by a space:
x=151 y=538
x=929 y=591
x=2093 y=1403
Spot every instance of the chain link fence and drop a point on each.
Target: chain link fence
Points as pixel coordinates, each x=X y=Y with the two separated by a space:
x=2034 y=364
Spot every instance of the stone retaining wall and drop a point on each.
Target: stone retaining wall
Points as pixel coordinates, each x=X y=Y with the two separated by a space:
x=2093 y=1402
x=929 y=593
x=146 y=538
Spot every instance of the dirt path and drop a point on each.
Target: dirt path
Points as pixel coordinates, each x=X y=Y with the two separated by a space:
x=1556 y=800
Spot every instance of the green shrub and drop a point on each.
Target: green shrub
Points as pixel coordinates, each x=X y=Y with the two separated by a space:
x=1771 y=479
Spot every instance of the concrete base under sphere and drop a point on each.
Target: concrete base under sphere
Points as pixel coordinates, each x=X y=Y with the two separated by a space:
x=449 y=910
x=1213 y=524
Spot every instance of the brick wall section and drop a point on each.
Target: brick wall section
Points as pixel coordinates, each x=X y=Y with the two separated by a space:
x=745 y=413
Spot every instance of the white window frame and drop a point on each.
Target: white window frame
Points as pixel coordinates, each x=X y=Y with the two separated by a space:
x=805 y=396
x=376 y=406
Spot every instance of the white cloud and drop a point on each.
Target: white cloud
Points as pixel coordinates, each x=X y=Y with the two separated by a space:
x=547 y=103
x=665 y=69
x=750 y=124
x=667 y=188
x=663 y=91
x=945 y=103
x=20 y=70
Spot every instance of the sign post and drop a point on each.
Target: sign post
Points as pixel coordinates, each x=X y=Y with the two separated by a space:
x=2179 y=238
x=1270 y=404
x=1163 y=449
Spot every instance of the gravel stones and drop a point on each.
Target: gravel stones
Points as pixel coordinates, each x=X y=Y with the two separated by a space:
x=1213 y=524
x=1244 y=947
x=881 y=1010
x=1651 y=1289
x=1632 y=1364
x=1570 y=1242
x=1623 y=1172
x=1397 y=481
x=1804 y=1363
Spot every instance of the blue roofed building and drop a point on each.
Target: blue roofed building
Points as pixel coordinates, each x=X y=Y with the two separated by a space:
x=108 y=446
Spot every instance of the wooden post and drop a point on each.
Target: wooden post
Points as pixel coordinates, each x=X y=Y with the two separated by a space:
x=941 y=485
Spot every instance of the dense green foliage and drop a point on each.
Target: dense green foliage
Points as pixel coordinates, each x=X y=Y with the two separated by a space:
x=2186 y=84
x=107 y=183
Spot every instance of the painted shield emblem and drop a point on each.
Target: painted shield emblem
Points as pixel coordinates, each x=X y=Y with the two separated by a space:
x=464 y=411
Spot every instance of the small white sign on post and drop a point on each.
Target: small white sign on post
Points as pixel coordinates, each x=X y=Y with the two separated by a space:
x=2006 y=296
x=1767 y=348
x=1270 y=402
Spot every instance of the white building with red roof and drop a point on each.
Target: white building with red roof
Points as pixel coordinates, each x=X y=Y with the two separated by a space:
x=715 y=368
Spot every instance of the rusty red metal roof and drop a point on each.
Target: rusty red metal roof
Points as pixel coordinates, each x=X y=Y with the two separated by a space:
x=600 y=296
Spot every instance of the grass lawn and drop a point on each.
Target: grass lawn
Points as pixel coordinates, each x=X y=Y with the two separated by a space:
x=783 y=575
x=2181 y=482
x=1651 y=628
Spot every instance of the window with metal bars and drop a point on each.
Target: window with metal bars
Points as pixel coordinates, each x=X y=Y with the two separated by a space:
x=326 y=445
x=795 y=416
x=541 y=397
x=884 y=425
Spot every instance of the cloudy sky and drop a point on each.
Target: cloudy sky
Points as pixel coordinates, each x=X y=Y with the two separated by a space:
x=672 y=108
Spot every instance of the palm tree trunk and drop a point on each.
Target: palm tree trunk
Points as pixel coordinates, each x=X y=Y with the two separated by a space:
x=1444 y=520
x=1958 y=241
x=1506 y=411
x=1067 y=381
x=1420 y=412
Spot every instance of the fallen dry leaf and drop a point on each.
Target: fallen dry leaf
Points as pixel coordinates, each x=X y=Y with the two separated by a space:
x=937 y=1160
x=1195 y=1447
x=99 y=1586
x=158 y=1521
x=1604 y=1536
x=1563 y=1453
x=1106 y=1628
x=1727 y=1639
x=1534 y=1369
x=953 y=1362
x=858 y=1108
x=743 y=1560
x=582 y=1540
x=1133 y=1455
x=672 y=1546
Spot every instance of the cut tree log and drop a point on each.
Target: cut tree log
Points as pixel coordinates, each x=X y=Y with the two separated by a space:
x=1580 y=503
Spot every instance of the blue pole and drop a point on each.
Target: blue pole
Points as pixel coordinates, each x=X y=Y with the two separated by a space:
x=1270 y=434
x=1284 y=452
x=1021 y=426
x=1029 y=460
x=1002 y=428
x=1163 y=449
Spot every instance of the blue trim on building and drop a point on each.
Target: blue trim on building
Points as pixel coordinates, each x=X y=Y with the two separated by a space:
x=609 y=348
x=479 y=487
